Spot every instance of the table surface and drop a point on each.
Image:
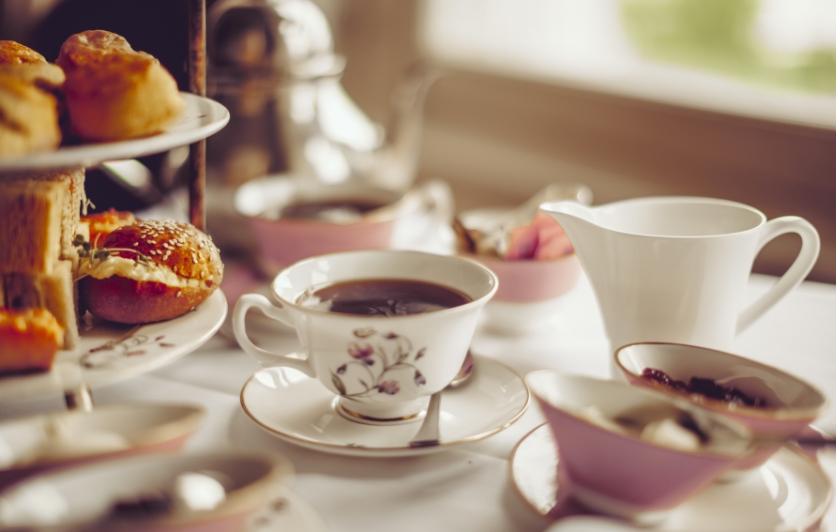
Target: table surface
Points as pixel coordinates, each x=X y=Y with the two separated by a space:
x=467 y=487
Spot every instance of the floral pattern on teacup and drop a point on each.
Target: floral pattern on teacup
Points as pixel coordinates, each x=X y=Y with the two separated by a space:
x=379 y=355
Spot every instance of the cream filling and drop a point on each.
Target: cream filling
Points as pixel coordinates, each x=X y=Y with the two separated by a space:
x=138 y=272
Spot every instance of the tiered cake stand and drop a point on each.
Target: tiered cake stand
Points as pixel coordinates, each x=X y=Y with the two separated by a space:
x=111 y=352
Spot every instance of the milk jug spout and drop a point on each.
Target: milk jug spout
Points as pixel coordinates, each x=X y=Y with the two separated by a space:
x=578 y=221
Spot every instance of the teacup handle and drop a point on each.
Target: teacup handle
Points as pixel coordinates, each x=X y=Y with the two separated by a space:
x=804 y=262
x=277 y=312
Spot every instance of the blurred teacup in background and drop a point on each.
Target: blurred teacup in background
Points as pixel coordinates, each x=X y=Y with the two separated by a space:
x=381 y=329
x=293 y=219
x=530 y=254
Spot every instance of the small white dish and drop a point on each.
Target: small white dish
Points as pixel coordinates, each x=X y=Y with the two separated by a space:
x=520 y=318
x=298 y=409
x=286 y=511
x=592 y=524
x=790 y=492
x=35 y=444
x=203 y=118
x=161 y=492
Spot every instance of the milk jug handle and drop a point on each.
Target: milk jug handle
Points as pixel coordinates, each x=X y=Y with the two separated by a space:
x=804 y=262
x=266 y=358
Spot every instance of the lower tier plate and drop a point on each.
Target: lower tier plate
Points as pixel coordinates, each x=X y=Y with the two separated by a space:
x=110 y=352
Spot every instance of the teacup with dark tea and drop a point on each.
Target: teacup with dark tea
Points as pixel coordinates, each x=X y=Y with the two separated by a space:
x=382 y=329
x=382 y=297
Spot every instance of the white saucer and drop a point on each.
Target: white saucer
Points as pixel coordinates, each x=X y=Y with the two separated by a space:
x=790 y=492
x=203 y=118
x=286 y=511
x=299 y=409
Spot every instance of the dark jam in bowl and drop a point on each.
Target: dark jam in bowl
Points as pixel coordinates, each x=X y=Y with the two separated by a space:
x=704 y=387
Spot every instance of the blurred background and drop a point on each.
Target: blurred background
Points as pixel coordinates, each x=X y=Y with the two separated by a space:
x=733 y=99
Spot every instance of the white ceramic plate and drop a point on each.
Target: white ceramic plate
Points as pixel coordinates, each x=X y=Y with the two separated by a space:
x=203 y=118
x=35 y=444
x=286 y=511
x=235 y=484
x=299 y=409
x=111 y=352
x=789 y=492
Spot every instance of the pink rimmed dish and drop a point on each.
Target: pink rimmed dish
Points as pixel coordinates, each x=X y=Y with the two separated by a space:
x=792 y=403
x=205 y=492
x=37 y=444
x=620 y=473
x=789 y=492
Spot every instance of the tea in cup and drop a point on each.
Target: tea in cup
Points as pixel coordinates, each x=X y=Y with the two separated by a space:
x=293 y=219
x=381 y=329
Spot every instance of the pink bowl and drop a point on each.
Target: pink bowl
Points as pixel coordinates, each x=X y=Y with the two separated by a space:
x=797 y=402
x=529 y=281
x=619 y=474
x=530 y=292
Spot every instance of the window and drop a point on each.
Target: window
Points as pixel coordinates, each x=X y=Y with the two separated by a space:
x=767 y=59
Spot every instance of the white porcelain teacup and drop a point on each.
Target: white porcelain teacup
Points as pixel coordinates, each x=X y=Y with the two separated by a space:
x=382 y=368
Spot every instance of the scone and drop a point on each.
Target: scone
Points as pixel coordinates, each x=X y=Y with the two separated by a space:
x=114 y=92
x=28 y=104
x=14 y=53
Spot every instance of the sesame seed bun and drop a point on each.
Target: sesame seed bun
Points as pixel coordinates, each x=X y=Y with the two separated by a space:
x=156 y=270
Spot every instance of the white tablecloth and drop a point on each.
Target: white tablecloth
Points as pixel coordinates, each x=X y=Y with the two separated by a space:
x=465 y=488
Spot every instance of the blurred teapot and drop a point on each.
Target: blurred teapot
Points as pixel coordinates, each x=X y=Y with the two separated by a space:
x=271 y=62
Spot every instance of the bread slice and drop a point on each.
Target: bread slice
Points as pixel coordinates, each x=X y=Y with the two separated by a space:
x=59 y=296
x=30 y=225
x=71 y=181
x=55 y=292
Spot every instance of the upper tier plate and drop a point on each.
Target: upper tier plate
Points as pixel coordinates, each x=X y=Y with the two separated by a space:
x=110 y=352
x=203 y=118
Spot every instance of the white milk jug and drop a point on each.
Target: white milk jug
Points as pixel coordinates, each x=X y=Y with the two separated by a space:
x=672 y=269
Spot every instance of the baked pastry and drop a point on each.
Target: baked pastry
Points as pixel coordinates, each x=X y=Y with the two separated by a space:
x=150 y=271
x=29 y=340
x=28 y=104
x=101 y=224
x=114 y=92
x=28 y=65
x=14 y=53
